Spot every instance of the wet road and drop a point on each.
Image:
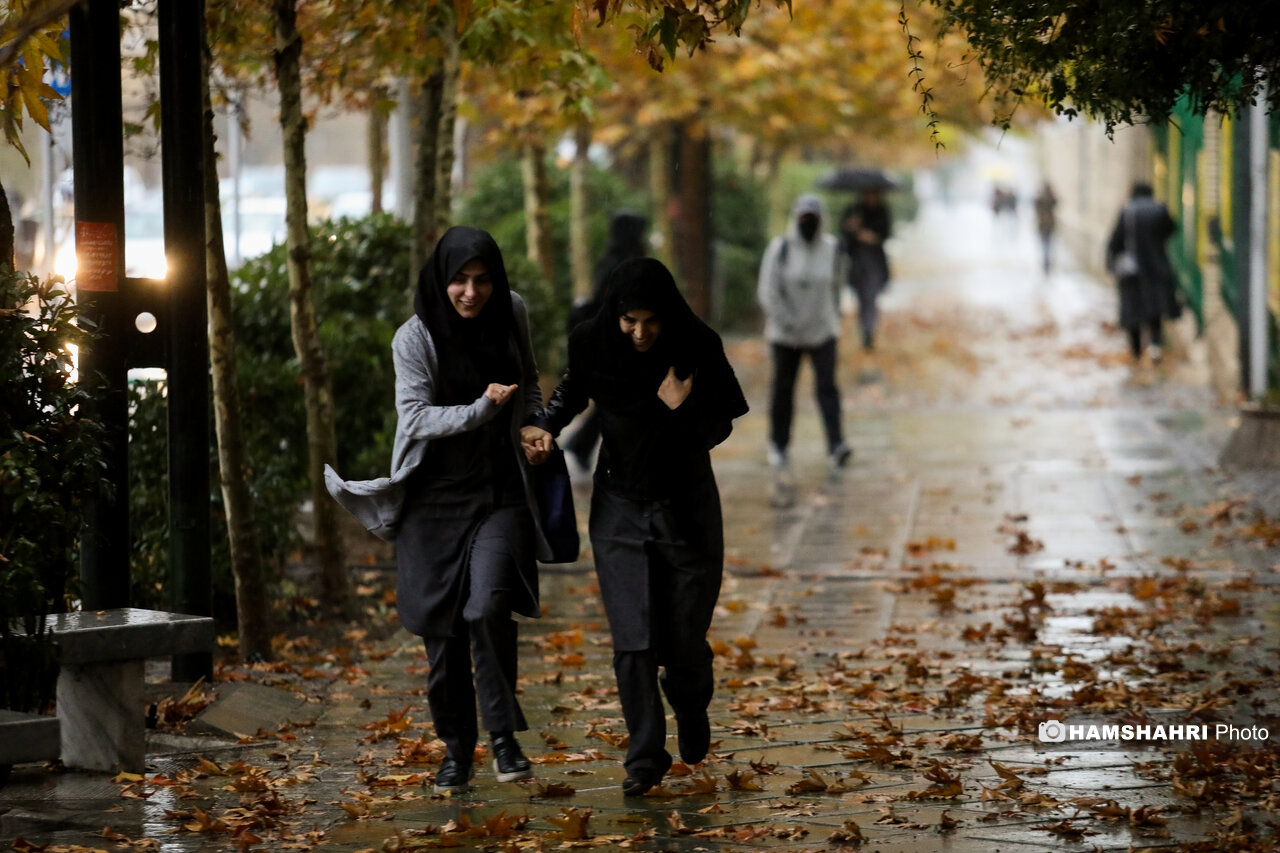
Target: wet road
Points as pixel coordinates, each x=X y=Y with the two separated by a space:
x=1031 y=529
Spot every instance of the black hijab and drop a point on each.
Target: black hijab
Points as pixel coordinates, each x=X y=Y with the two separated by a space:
x=625 y=379
x=472 y=352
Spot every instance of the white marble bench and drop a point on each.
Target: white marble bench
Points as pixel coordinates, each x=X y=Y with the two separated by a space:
x=100 y=700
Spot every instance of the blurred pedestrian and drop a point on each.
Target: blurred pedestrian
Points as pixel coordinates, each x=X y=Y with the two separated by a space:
x=1046 y=203
x=1004 y=208
x=865 y=226
x=666 y=395
x=628 y=238
x=1137 y=256
x=800 y=278
x=457 y=503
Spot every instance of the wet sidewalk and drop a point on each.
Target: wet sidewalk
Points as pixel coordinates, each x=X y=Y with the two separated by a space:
x=1031 y=530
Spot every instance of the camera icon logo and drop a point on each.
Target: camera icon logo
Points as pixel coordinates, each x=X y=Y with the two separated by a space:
x=1052 y=731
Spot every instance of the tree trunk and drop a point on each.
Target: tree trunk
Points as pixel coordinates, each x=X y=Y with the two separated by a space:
x=579 y=239
x=377 y=147
x=660 y=189
x=253 y=610
x=317 y=393
x=692 y=248
x=536 y=214
x=6 y=231
x=447 y=116
x=424 y=172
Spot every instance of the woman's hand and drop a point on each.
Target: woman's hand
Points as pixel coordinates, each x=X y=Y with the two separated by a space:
x=674 y=391
x=500 y=394
x=536 y=442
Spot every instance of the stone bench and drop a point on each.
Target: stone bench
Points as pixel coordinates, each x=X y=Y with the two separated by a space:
x=101 y=706
x=27 y=737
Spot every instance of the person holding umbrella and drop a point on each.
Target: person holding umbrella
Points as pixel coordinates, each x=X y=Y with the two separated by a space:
x=865 y=225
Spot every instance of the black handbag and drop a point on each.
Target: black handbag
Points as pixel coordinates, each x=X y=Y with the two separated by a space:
x=554 y=494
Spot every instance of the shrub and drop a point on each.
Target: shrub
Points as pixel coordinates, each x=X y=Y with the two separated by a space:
x=740 y=213
x=51 y=461
x=361 y=274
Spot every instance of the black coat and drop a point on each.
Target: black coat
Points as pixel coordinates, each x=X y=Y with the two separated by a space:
x=656 y=529
x=868 y=262
x=1143 y=226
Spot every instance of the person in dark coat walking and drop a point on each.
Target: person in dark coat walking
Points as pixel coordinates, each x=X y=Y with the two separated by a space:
x=666 y=395
x=458 y=504
x=1046 y=204
x=865 y=226
x=1137 y=256
x=627 y=240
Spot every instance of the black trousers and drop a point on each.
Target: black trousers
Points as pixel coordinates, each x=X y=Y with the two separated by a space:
x=786 y=364
x=1156 y=328
x=484 y=638
x=688 y=689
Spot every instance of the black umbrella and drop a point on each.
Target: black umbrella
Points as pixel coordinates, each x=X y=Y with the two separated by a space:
x=856 y=180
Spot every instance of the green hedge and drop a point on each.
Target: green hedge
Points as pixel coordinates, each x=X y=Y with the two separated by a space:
x=361 y=273
x=52 y=455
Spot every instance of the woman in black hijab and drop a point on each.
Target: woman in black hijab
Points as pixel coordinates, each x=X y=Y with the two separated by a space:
x=626 y=241
x=666 y=395
x=458 y=504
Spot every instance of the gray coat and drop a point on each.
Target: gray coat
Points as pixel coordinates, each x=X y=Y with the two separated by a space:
x=799 y=284
x=379 y=503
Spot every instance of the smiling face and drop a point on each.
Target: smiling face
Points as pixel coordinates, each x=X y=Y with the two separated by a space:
x=470 y=289
x=642 y=327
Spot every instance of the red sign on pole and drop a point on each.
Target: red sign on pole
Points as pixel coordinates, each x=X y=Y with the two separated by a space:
x=97 y=256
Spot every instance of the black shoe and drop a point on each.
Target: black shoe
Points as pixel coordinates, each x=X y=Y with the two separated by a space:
x=694 y=737
x=509 y=763
x=840 y=455
x=636 y=785
x=453 y=777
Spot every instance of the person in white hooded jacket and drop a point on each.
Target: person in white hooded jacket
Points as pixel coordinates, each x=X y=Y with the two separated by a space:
x=799 y=290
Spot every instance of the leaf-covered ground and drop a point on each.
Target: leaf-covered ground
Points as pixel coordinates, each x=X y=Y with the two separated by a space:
x=1031 y=530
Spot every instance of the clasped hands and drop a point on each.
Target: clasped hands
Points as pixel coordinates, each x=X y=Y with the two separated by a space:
x=534 y=441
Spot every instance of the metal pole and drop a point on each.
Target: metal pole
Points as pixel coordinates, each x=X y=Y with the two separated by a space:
x=402 y=150
x=1256 y=300
x=236 y=156
x=97 y=129
x=182 y=148
x=47 y=214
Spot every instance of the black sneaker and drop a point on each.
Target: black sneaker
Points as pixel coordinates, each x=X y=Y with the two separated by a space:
x=636 y=785
x=840 y=455
x=453 y=777
x=509 y=763
x=694 y=737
